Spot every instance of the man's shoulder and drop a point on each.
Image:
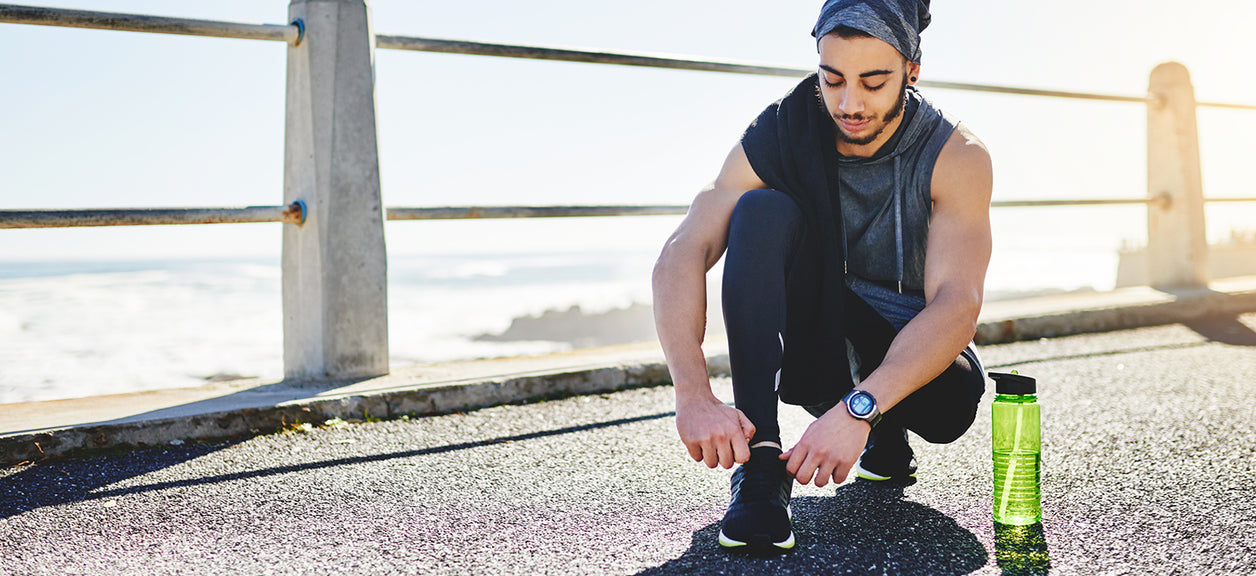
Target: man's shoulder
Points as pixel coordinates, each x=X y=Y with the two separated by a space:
x=964 y=164
x=963 y=151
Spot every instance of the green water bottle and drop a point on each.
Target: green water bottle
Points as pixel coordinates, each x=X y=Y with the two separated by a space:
x=1016 y=437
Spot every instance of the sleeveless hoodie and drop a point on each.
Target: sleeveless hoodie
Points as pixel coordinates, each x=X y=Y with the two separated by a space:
x=887 y=201
x=792 y=148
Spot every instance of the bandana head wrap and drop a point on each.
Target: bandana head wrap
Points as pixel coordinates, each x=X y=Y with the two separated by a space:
x=897 y=22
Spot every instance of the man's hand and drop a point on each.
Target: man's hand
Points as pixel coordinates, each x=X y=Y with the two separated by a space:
x=714 y=432
x=828 y=449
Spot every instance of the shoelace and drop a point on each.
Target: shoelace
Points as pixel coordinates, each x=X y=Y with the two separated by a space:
x=760 y=480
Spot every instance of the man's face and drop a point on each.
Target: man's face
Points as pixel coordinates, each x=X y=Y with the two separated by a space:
x=863 y=83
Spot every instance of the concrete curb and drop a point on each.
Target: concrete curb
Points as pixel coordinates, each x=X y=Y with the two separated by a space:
x=417 y=401
x=1117 y=310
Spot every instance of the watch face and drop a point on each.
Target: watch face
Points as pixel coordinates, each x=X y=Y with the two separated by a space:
x=860 y=403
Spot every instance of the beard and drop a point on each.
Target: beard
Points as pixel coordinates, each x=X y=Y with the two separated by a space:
x=885 y=121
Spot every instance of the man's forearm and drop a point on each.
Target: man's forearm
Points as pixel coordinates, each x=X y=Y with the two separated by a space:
x=680 y=319
x=924 y=348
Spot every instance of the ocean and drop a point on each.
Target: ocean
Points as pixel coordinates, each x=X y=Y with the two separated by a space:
x=71 y=328
x=81 y=327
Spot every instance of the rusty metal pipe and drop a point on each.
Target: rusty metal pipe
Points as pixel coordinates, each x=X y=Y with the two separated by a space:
x=293 y=214
x=15 y=14
x=484 y=212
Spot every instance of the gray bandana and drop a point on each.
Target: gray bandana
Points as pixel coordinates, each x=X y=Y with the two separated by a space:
x=897 y=22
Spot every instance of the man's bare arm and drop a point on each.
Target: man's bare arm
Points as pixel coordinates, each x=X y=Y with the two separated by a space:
x=955 y=273
x=713 y=432
x=955 y=270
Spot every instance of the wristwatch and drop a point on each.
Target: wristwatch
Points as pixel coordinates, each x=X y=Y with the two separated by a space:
x=863 y=406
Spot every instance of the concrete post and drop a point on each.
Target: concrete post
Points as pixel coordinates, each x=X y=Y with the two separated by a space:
x=1177 y=243
x=334 y=269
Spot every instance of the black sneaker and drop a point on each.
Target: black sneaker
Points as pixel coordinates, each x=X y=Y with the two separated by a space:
x=758 y=518
x=887 y=457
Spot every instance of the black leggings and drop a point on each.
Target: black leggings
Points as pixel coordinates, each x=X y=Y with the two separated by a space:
x=762 y=239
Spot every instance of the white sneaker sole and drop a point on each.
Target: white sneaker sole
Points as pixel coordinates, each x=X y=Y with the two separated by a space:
x=785 y=544
x=727 y=542
x=861 y=472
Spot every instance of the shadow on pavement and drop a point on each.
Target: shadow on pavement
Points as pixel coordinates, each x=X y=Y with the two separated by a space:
x=1021 y=550
x=1082 y=356
x=62 y=481
x=1221 y=329
x=1226 y=330
x=68 y=481
x=864 y=528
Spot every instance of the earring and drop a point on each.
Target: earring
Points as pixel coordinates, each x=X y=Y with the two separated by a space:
x=913 y=78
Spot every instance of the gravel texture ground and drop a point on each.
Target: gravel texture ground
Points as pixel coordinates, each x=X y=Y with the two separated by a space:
x=1149 y=468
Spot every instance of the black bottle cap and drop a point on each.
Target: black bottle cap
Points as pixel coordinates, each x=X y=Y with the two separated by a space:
x=1013 y=383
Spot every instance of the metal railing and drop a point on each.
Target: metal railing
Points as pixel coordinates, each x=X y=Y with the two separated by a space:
x=295 y=213
x=292 y=34
x=291 y=214
x=677 y=62
x=1174 y=190
x=14 y=14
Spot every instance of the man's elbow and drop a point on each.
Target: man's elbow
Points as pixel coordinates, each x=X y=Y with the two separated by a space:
x=970 y=313
x=665 y=266
x=964 y=309
x=659 y=277
x=682 y=254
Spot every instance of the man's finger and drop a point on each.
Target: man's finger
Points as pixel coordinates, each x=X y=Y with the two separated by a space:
x=840 y=473
x=747 y=427
x=741 y=450
x=807 y=470
x=727 y=455
x=695 y=451
x=710 y=456
x=796 y=457
x=823 y=476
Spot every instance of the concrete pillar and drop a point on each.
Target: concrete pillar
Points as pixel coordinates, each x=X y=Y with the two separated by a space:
x=1177 y=243
x=334 y=269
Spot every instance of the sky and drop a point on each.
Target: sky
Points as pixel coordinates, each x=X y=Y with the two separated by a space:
x=118 y=119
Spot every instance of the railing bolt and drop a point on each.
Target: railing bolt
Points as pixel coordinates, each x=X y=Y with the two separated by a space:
x=295 y=213
x=300 y=24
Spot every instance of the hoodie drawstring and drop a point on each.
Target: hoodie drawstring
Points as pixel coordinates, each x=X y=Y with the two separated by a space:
x=898 y=219
x=897 y=193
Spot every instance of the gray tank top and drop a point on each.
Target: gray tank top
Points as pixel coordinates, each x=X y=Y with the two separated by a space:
x=887 y=202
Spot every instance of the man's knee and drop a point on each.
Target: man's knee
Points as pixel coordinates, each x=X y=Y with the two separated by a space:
x=766 y=210
x=951 y=429
x=948 y=409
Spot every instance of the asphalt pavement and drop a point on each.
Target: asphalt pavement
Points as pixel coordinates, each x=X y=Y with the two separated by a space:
x=1150 y=445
